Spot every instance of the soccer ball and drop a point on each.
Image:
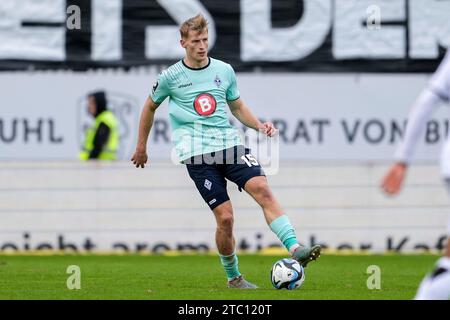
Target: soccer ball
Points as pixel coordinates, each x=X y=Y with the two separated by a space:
x=287 y=273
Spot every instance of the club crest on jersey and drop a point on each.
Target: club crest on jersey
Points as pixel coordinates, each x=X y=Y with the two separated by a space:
x=205 y=104
x=217 y=81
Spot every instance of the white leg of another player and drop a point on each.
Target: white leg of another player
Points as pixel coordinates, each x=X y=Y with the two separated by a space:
x=436 y=287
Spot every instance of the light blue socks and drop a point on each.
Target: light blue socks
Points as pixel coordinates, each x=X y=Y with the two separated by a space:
x=230 y=264
x=285 y=232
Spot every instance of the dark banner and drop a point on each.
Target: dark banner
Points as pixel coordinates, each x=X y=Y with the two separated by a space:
x=268 y=35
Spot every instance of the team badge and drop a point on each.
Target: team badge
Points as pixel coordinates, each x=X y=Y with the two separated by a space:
x=205 y=104
x=217 y=81
x=208 y=184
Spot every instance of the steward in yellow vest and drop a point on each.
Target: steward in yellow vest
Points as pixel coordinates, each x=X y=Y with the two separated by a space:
x=102 y=139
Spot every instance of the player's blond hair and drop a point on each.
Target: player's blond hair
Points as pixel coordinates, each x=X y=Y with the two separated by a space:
x=197 y=23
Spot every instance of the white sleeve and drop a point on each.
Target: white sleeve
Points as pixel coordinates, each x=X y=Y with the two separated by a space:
x=440 y=81
x=419 y=115
x=438 y=89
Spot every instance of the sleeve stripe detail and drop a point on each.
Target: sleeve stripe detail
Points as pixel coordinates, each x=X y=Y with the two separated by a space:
x=233 y=99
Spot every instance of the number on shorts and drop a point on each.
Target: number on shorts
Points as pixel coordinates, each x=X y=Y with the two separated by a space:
x=250 y=160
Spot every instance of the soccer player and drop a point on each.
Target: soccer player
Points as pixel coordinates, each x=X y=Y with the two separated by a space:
x=200 y=88
x=437 y=284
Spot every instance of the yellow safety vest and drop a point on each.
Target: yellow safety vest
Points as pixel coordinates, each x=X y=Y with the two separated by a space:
x=109 y=151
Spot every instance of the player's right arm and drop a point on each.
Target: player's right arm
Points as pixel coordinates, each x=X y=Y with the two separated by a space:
x=145 y=124
x=159 y=93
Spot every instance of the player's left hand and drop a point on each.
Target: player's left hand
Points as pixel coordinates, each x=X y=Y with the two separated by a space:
x=269 y=129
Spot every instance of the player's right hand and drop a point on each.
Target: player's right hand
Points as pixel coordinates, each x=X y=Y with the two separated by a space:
x=393 y=180
x=139 y=158
x=268 y=129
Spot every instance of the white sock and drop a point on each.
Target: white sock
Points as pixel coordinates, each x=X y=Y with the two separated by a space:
x=437 y=287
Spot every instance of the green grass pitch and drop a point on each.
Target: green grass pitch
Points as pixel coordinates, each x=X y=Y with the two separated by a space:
x=201 y=277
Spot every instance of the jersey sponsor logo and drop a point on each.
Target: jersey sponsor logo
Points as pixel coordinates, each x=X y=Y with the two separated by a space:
x=205 y=104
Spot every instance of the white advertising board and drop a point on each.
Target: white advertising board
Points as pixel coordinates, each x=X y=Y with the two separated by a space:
x=338 y=117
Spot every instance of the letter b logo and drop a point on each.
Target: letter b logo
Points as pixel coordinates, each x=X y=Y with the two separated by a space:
x=205 y=104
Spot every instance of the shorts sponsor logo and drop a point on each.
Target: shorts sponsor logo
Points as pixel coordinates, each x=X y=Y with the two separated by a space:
x=212 y=201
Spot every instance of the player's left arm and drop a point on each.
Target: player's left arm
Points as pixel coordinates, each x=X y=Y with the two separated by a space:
x=437 y=91
x=245 y=116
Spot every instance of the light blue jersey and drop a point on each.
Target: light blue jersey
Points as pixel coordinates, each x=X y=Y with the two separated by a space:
x=198 y=106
